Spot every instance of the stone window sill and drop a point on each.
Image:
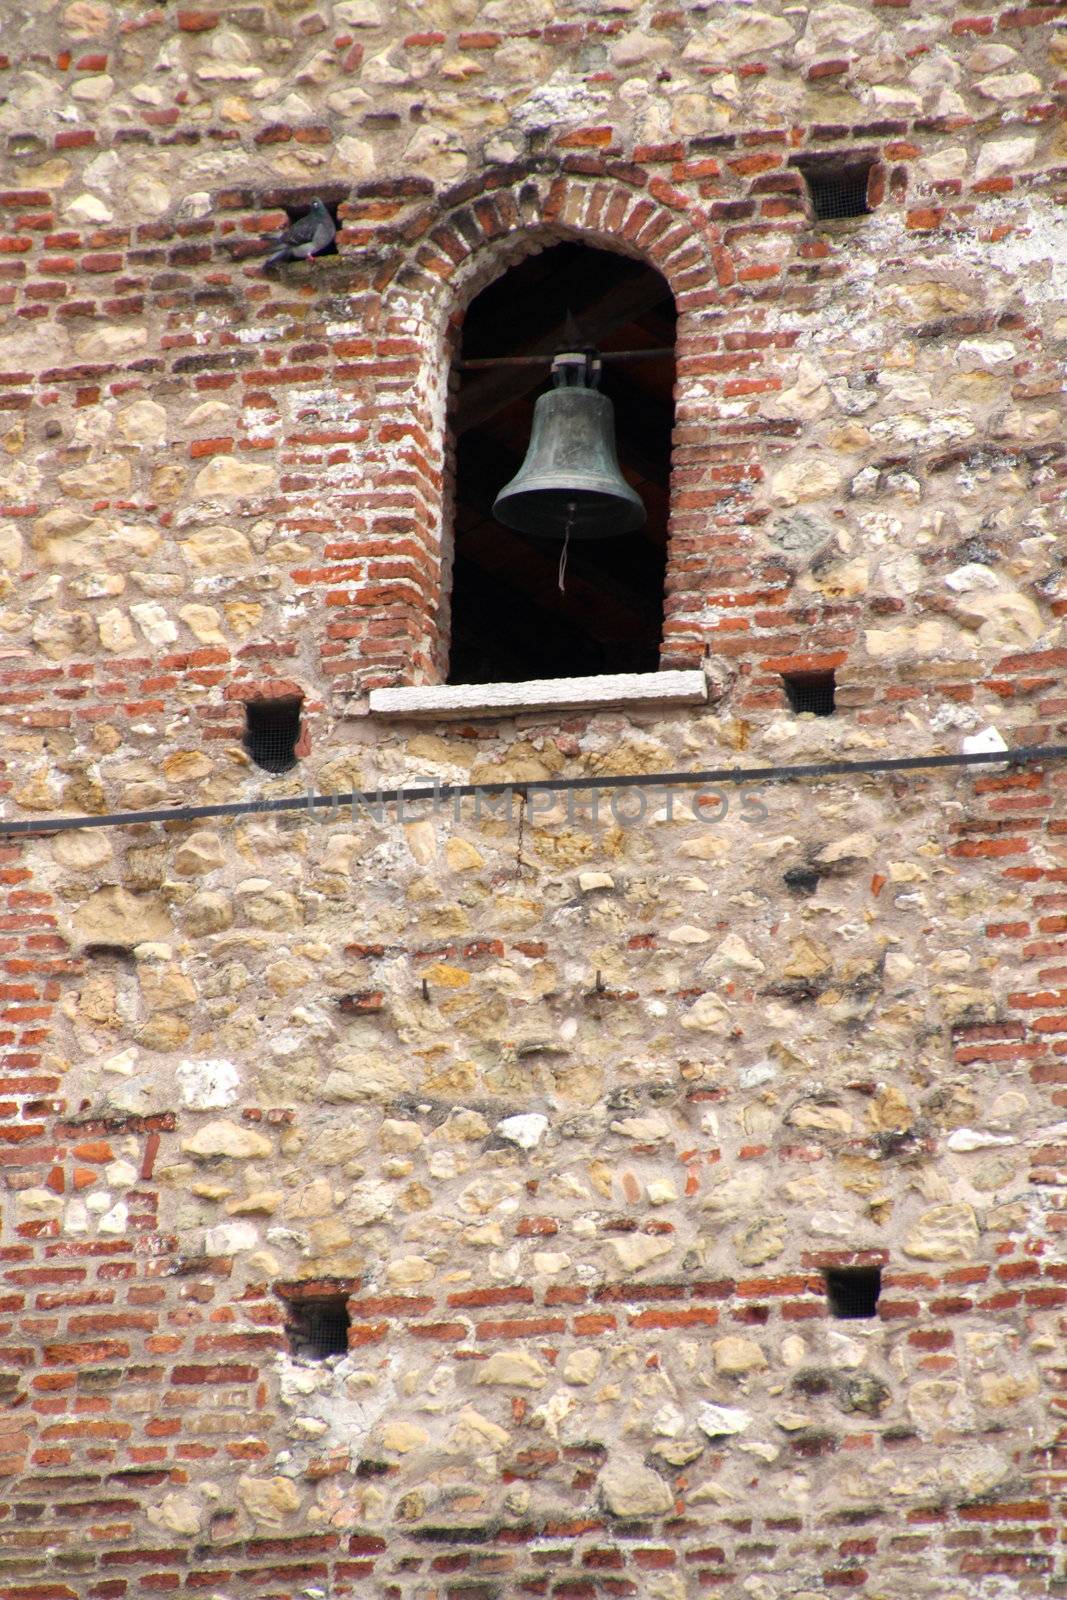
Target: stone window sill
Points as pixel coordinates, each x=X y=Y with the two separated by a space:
x=613 y=691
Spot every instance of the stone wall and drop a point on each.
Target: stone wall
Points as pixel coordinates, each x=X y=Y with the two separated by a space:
x=576 y=1105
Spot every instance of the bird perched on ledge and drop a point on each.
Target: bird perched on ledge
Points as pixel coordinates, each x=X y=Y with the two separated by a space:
x=309 y=235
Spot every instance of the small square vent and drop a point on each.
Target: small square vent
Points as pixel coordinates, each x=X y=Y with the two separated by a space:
x=272 y=728
x=318 y=1327
x=812 y=692
x=853 y=1291
x=837 y=186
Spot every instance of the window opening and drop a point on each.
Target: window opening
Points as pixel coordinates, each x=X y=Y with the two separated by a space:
x=811 y=691
x=272 y=728
x=510 y=619
x=295 y=212
x=318 y=1327
x=853 y=1291
x=837 y=188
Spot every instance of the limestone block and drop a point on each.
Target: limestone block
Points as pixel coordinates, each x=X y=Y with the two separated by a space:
x=83 y=850
x=462 y=856
x=67 y=537
x=638 y=49
x=268 y=1500
x=635 y=1251
x=368 y=1202
x=733 y=954
x=722 y=1421
x=399 y=1136
x=198 y=853
x=762 y=1240
x=1000 y=1389
x=178 y=1513
x=208 y=1083
x=98 y=480
x=807 y=959
x=936 y=1403
x=581 y=1367
x=806 y=398
x=147 y=196
x=266 y=907
x=115 y=916
x=88 y=19
x=203 y=623
x=186 y=766
x=154 y=623
x=110 y=342
x=210 y=911
x=216 y=548
x=143 y=422
x=474 y=1434
x=1007 y=618
x=358 y=13
x=230 y=1238
x=810 y=479
x=526 y=1130
x=408 y=1271
x=835 y=26
x=943 y=1233
x=920 y=639
x=750 y=33
x=402 y=1437
x=630 y=1489
x=736 y=1355
x=227 y=475
x=369 y=1078
x=223 y=1138
x=94 y=90
x=514 y=1369
x=707 y=1015
x=115 y=631
x=10 y=547
x=1004 y=86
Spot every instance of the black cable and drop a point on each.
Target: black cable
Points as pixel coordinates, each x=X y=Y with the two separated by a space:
x=1021 y=755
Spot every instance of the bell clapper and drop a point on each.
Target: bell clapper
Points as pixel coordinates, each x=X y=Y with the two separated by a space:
x=571 y=509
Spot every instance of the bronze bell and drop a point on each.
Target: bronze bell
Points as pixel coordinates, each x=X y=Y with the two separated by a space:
x=570 y=486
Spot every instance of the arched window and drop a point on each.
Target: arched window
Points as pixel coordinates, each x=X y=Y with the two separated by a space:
x=514 y=617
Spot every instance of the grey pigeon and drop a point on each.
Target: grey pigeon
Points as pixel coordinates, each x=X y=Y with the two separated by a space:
x=309 y=235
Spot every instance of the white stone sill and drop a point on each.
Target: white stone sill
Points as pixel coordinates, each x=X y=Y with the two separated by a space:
x=612 y=691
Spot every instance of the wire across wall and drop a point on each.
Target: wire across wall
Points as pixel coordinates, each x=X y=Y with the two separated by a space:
x=422 y=789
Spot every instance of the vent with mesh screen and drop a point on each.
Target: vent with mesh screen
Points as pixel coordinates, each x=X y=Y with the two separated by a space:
x=840 y=192
x=811 y=691
x=272 y=728
x=853 y=1291
x=319 y=1327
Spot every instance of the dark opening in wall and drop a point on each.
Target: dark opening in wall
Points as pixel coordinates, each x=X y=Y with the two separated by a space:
x=295 y=212
x=318 y=1327
x=810 y=691
x=510 y=619
x=837 y=186
x=853 y=1291
x=272 y=728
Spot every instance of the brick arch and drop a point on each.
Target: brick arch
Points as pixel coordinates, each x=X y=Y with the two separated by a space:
x=473 y=236
x=468 y=239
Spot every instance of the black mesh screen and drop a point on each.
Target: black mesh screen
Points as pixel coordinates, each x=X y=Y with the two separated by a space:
x=811 y=691
x=853 y=1291
x=319 y=1328
x=841 y=193
x=272 y=728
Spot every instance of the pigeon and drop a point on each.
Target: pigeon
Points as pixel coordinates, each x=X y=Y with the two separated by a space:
x=309 y=235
